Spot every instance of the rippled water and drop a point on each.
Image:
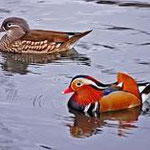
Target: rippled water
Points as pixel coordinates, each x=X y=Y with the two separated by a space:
x=34 y=114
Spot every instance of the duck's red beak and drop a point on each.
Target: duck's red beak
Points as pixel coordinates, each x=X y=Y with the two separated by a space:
x=68 y=90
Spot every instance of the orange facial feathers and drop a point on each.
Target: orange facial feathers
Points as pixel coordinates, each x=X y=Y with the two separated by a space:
x=88 y=95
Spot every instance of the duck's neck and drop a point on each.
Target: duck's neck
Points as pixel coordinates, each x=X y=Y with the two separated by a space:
x=87 y=100
x=15 y=34
x=90 y=108
x=87 y=96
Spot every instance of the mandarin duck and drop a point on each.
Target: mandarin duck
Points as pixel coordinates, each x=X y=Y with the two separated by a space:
x=19 y=38
x=90 y=95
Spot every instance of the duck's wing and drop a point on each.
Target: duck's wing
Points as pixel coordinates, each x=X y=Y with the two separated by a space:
x=47 y=41
x=118 y=100
x=41 y=35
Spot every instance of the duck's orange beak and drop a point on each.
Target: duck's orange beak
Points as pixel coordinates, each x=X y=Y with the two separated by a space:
x=68 y=90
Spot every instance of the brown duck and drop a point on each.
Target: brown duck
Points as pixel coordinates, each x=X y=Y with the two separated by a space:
x=19 y=38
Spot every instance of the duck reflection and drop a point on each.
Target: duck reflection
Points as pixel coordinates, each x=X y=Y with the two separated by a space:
x=123 y=3
x=18 y=63
x=86 y=125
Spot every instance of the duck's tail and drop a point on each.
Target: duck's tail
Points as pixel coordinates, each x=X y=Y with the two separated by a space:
x=73 y=39
x=144 y=89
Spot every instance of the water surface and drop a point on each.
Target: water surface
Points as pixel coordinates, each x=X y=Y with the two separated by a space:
x=34 y=114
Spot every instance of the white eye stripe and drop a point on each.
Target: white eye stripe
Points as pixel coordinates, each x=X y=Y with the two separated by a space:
x=13 y=25
x=88 y=82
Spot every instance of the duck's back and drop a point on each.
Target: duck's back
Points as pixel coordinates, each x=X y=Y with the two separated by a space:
x=50 y=36
x=125 y=97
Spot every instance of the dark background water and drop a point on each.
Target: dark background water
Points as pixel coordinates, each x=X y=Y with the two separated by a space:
x=34 y=114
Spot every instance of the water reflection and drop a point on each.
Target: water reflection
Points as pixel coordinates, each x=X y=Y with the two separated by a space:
x=89 y=46
x=2 y=10
x=121 y=28
x=86 y=126
x=122 y=3
x=18 y=63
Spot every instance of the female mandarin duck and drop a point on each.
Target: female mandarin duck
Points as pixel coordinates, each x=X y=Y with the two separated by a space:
x=19 y=38
x=91 y=95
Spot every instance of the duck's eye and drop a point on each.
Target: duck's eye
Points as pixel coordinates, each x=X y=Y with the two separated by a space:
x=78 y=84
x=9 y=25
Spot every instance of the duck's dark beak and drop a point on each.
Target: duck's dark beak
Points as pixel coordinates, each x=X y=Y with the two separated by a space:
x=1 y=29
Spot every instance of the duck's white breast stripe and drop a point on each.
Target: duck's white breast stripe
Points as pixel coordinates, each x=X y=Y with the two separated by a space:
x=87 y=108
x=96 y=107
x=92 y=107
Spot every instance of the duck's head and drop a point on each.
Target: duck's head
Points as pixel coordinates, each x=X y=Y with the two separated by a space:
x=85 y=89
x=14 y=27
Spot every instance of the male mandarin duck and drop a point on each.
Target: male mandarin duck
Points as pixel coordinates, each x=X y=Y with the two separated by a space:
x=19 y=38
x=90 y=95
